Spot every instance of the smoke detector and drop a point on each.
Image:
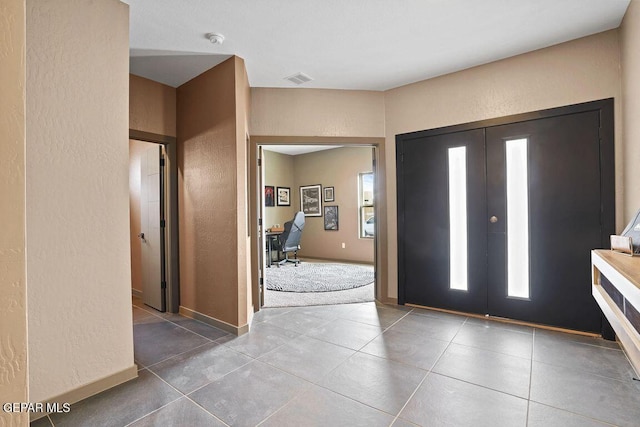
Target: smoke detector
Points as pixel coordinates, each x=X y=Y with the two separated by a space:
x=215 y=38
x=299 y=78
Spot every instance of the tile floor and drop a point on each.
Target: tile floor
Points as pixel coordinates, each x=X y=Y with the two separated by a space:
x=363 y=365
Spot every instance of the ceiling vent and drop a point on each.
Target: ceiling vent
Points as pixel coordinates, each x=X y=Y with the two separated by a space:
x=299 y=78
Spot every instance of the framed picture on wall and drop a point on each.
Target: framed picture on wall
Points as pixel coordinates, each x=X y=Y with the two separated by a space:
x=331 y=218
x=283 y=195
x=311 y=200
x=269 y=195
x=329 y=195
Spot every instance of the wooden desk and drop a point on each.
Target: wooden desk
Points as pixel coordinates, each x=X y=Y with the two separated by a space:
x=616 y=288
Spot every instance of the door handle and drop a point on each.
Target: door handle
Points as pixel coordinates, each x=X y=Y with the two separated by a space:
x=141 y=235
x=493 y=219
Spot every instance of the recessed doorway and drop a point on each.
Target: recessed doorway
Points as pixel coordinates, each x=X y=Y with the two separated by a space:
x=499 y=217
x=318 y=248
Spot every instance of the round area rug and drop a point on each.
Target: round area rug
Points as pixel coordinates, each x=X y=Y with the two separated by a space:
x=317 y=277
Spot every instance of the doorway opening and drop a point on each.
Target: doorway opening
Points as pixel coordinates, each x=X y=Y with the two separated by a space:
x=322 y=178
x=154 y=220
x=319 y=248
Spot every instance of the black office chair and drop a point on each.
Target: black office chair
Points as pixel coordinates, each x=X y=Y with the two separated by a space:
x=290 y=238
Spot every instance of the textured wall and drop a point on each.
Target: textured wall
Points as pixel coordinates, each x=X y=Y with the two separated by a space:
x=278 y=171
x=338 y=168
x=13 y=298
x=578 y=71
x=77 y=198
x=208 y=205
x=317 y=112
x=630 y=48
x=314 y=114
x=136 y=148
x=152 y=106
x=243 y=105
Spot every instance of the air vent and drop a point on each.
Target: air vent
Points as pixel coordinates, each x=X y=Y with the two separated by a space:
x=299 y=78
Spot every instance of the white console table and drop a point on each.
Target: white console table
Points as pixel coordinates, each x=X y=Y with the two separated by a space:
x=616 y=288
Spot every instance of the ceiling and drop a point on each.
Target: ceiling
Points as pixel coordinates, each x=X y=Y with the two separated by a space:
x=354 y=44
x=294 y=150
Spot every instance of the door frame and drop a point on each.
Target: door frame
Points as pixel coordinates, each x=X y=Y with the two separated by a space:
x=380 y=245
x=171 y=258
x=607 y=156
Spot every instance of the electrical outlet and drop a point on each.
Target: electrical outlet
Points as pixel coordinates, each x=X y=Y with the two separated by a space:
x=344 y=245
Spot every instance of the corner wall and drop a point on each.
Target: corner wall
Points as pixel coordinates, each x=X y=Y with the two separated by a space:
x=152 y=106
x=338 y=168
x=214 y=248
x=77 y=218
x=13 y=292
x=582 y=70
x=630 y=55
x=278 y=172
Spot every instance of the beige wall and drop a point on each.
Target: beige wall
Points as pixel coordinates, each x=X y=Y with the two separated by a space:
x=77 y=196
x=578 y=71
x=242 y=112
x=278 y=172
x=325 y=116
x=338 y=168
x=13 y=292
x=136 y=148
x=630 y=48
x=152 y=106
x=316 y=112
x=212 y=216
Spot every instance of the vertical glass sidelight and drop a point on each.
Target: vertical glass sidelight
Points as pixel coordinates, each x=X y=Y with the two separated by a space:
x=458 y=218
x=517 y=218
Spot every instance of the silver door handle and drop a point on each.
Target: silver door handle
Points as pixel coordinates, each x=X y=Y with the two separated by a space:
x=493 y=219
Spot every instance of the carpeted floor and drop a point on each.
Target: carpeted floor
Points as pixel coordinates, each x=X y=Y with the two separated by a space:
x=317 y=277
x=300 y=299
x=358 y=294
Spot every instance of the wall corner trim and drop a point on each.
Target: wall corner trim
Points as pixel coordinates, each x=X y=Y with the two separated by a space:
x=389 y=301
x=91 y=389
x=192 y=314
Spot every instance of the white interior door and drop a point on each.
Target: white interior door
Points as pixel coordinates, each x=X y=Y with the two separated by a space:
x=151 y=235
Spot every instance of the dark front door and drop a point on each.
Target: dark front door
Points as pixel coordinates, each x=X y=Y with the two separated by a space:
x=539 y=196
x=430 y=273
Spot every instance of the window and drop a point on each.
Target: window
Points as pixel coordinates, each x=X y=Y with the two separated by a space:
x=366 y=204
x=517 y=219
x=458 y=276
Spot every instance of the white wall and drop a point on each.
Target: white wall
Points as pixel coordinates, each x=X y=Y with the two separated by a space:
x=583 y=70
x=77 y=198
x=13 y=301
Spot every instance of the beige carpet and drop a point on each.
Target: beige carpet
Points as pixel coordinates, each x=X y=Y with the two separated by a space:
x=297 y=299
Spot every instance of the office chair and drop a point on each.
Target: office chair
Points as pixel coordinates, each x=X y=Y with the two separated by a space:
x=290 y=238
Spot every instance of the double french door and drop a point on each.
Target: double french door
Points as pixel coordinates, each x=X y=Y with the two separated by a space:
x=499 y=217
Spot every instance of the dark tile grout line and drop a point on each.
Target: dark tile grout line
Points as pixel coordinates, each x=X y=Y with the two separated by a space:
x=529 y=400
x=180 y=397
x=312 y=383
x=429 y=372
x=533 y=347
